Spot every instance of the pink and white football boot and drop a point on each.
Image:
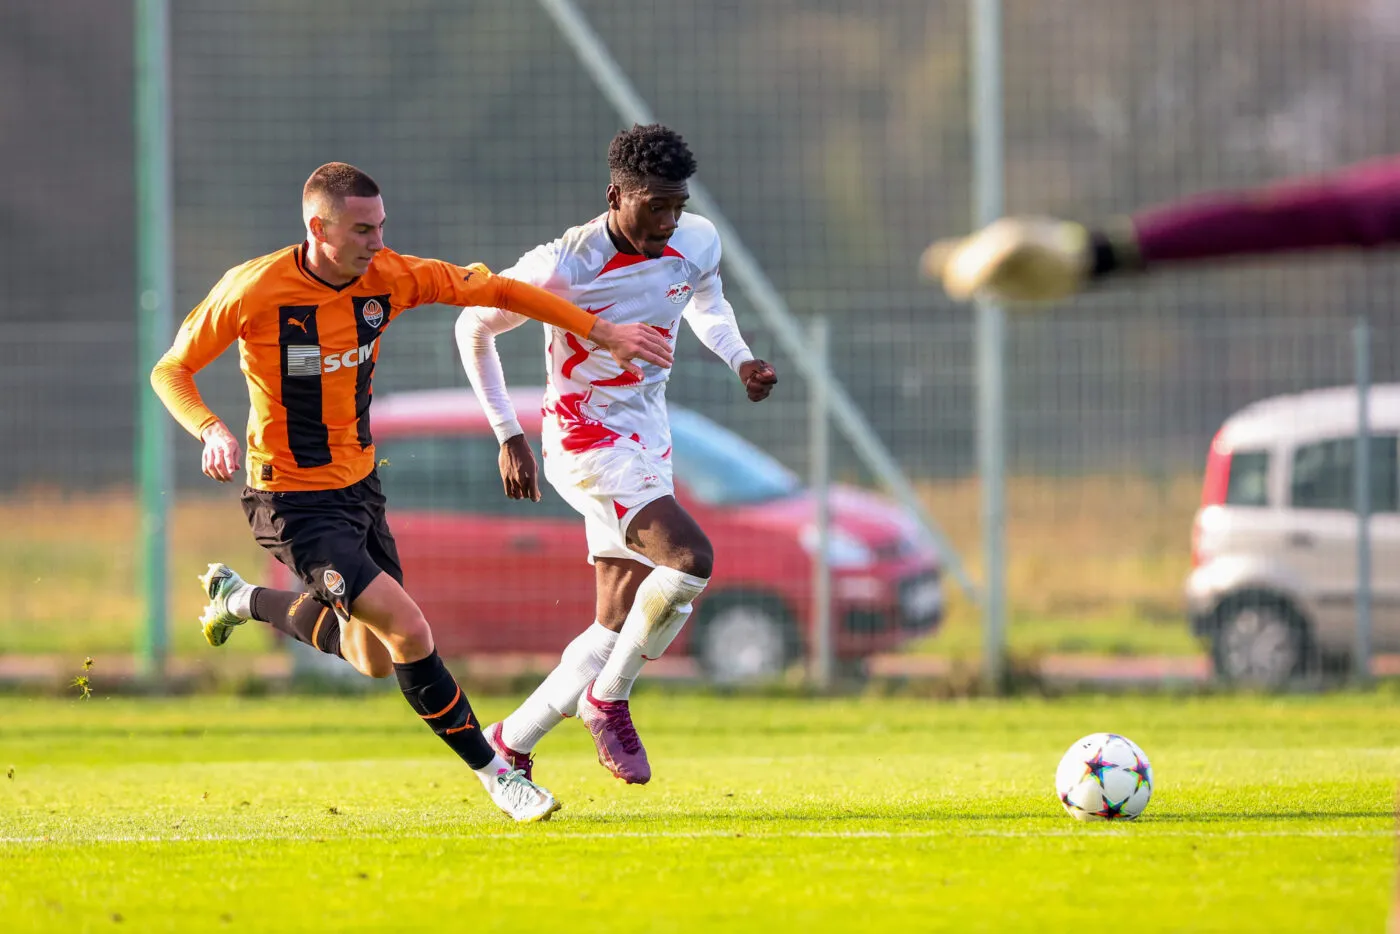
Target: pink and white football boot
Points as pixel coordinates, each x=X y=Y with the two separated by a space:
x=619 y=748
x=516 y=760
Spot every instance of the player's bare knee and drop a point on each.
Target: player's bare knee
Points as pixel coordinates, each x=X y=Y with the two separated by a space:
x=409 y=635
x=696 y=559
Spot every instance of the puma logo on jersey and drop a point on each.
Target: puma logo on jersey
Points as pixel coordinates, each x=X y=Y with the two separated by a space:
x=301 y=324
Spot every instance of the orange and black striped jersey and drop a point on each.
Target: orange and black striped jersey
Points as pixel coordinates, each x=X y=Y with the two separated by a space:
x=308 y=349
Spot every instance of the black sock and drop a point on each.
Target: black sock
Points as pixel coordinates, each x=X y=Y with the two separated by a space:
x=299 y=615
x=434 y=694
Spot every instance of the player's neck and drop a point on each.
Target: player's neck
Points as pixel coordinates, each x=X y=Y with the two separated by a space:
x=618 y=240
x=320 y=266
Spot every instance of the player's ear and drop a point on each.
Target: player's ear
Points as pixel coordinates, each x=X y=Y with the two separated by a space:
x=614 y=195
x=317 y=228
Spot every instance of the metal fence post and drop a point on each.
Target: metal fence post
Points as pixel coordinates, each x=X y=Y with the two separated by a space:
x=1361 y=465
x=988 y=197
x=819 y=422
x=154 y=298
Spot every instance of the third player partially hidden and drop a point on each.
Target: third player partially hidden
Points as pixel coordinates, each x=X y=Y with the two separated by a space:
x=1041 y=259
x=606 y=437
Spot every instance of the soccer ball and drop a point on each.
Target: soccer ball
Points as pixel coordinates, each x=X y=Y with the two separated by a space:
x=1104 y=776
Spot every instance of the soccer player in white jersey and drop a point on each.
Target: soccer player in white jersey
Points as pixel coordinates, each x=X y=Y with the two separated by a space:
x=606 y=438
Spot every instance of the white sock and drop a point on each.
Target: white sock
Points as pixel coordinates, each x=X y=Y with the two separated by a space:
x=488 y=772
x=240 y=602
x=660 y=610
x=557 y=696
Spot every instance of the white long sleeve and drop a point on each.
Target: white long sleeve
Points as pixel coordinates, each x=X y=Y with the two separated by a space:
x=476 y=338
x=711 y=317
x=476 y=332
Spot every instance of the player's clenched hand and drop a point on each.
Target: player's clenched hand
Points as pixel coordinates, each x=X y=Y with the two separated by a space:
x=1015 y=259
x=627 y=342
x=221 y=453
x=519 y=472
x=759 y=378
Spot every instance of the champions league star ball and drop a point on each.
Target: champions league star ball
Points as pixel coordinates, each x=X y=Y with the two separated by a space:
x=1104 y=776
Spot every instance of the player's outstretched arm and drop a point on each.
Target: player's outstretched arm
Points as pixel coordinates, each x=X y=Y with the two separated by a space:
x=1017 y=259
x=1038 y=259
x=628 y=342
x=437 y=281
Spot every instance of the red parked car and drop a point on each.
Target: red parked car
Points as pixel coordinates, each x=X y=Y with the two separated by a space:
x=499 y=575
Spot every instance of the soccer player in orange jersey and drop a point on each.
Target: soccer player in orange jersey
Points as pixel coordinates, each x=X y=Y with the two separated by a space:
x=308 y=321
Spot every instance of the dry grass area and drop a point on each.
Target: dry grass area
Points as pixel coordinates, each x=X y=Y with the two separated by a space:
x=1093 y=563
x=72 y=570
x=1088 y=546
x=1096 y=564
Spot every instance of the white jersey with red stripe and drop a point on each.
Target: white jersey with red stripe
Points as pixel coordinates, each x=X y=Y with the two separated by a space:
x=590 y=402
x=606 y=437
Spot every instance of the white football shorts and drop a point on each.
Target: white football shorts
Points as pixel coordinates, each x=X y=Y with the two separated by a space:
x=608 y=486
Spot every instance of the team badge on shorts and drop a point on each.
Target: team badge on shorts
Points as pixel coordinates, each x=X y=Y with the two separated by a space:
x=679 y=293
x=373 y=313
x=334 y=582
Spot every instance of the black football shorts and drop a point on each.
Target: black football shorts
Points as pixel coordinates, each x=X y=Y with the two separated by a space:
x=336 y=541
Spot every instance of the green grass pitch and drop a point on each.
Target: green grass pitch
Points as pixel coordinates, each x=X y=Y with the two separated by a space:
x=321 y=814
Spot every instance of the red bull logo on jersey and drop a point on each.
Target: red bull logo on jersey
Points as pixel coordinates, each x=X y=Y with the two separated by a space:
x=679 y=293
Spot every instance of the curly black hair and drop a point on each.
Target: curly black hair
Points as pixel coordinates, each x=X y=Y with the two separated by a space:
x=651 y=151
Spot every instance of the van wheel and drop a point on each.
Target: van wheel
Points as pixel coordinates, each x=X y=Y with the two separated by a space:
x=1261 y=644
x=744 y=638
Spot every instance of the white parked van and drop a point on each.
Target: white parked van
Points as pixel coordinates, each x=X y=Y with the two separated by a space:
x=1273 y=589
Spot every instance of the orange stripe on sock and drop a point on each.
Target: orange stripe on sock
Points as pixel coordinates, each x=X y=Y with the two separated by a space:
x=316 y=630
x=455 y=698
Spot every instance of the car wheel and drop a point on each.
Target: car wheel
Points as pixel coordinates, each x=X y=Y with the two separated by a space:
x=744 y=639
x=1260 y=644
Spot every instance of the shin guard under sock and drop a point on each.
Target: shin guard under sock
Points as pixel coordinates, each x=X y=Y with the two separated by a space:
x=434 y=694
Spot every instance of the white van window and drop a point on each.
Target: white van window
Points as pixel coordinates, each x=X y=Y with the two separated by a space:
x=1323 y=472
x=1249 y=479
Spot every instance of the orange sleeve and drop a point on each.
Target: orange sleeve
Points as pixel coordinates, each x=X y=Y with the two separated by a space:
x=443 y=282
x=174 y=384
x=207 y=332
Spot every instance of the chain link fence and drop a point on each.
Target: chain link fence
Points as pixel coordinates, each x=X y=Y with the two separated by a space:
x=835 y=136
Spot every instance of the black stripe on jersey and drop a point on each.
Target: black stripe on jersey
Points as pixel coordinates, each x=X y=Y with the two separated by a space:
x=307 y=437
x=371 y=317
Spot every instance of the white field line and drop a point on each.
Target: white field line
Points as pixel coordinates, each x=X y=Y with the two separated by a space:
x=669 y=835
